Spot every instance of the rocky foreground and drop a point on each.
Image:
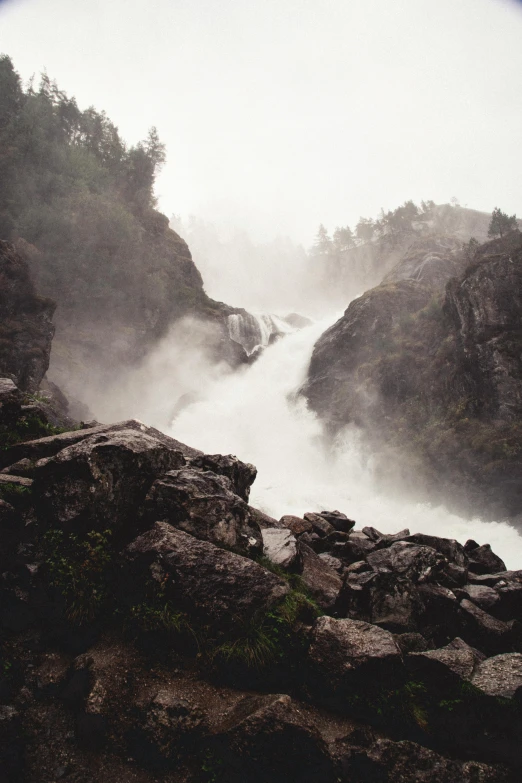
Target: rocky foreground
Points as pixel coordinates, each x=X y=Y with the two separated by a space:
x=156 y=627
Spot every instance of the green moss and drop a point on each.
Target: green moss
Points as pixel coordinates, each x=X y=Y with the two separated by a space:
x=79 y=568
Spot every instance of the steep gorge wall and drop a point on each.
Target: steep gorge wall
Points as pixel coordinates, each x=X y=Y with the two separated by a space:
x=437 y=377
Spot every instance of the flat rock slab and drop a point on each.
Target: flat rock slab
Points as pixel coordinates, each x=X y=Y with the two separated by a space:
x=279 y=546
x=500 y=675
x=48 y=447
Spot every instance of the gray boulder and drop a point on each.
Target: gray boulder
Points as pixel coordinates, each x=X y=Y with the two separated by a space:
x=218 y=588
x=241 y=474
x=279 y=546
x=322 y=582
x=500 y=676
x=418 y=563
x=101 y=481
x=204 y=504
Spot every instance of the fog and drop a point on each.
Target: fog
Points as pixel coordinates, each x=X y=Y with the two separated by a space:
x=281 y=114
x=277 y=116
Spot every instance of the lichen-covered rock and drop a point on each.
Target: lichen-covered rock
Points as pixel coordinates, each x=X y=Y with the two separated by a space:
x=204 y=504
x=218 y=588
x=350 y=657
x=500 y=676
x=101 y=481
x=241 y=474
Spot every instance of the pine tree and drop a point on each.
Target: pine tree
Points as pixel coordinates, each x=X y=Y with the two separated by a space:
x=501 y=223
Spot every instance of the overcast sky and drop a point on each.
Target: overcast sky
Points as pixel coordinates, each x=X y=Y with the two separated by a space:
x=280 y=114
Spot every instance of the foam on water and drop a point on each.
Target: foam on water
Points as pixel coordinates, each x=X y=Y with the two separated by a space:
x=256 y=415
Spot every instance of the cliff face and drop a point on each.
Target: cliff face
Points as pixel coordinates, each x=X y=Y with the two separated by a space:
x=437 y=375
x=26 y=328
x=103 y=331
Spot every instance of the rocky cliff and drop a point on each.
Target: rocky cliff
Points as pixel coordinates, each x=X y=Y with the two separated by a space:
x=436 y=374
x=26 y=328
x=156 y=627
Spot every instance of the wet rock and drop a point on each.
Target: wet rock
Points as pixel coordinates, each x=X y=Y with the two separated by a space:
x=418 y=563
x=101 y=481
x=261 y=520
x=204 y=505
x=271 y=738
x=41 y=448
x=484 y=631
x=319 y=525
x=322 y=582
x=455 y=661
x=332 y=562
x=297 y=525
x=483 y=561
x=411 y=642
x=407 y=762
x=348 y=657
x=338 y=520
x=241 y=474
x=168 y=728
x=448 y=547
x=358 y=547
x=218 y=588
x=279 y=546
x=395 y=603
x=500 y=676
x=484 y=597
x=385 y=539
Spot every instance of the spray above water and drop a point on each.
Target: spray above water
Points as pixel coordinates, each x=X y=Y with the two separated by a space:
x=257 y=415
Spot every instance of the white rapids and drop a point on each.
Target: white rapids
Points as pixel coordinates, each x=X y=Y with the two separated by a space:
x=256 y=415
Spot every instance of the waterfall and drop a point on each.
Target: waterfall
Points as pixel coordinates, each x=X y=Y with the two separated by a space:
x=257 y=415
x=254 y=331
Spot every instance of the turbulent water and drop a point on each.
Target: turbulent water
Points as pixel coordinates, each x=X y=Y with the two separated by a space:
x=254 y=331
x=257 y=415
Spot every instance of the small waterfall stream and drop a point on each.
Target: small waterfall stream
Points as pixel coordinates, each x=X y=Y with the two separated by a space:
x=255 y=331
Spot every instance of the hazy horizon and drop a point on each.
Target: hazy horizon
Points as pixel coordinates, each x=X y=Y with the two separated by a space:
x=279 y=116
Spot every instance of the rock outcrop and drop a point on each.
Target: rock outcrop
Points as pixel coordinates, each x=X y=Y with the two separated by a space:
x=155 y=627
x=26 y=328
x=437 y=377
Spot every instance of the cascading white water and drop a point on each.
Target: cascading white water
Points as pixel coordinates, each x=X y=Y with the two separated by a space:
x=256 y=415
x=254 y=331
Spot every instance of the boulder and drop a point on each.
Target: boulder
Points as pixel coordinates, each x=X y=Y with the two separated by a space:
x=483 y=561
x=272 y=738
x=348 y=657
x=484 y=631
x=418 y=563
x=485 y=597
x=204 y=504
x=338 y=520
x=35 y=450
x=241 y=474
x=385 y=539
x=279 y=546
x=358 y=547
x=407 y=762
x=453 y=662
x=448 y=547
x=500 y=676
x=297 y=525
x=101 y=481
x=322 y=582
x=319 y=525
x=217 y=588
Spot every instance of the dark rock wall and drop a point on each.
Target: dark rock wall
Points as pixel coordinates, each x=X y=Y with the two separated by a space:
x=436 y=375
x=26 y=328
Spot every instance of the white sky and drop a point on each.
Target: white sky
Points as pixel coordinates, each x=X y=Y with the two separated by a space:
x=280 y=114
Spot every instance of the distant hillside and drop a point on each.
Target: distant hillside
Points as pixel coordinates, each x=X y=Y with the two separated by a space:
x=346 y=270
